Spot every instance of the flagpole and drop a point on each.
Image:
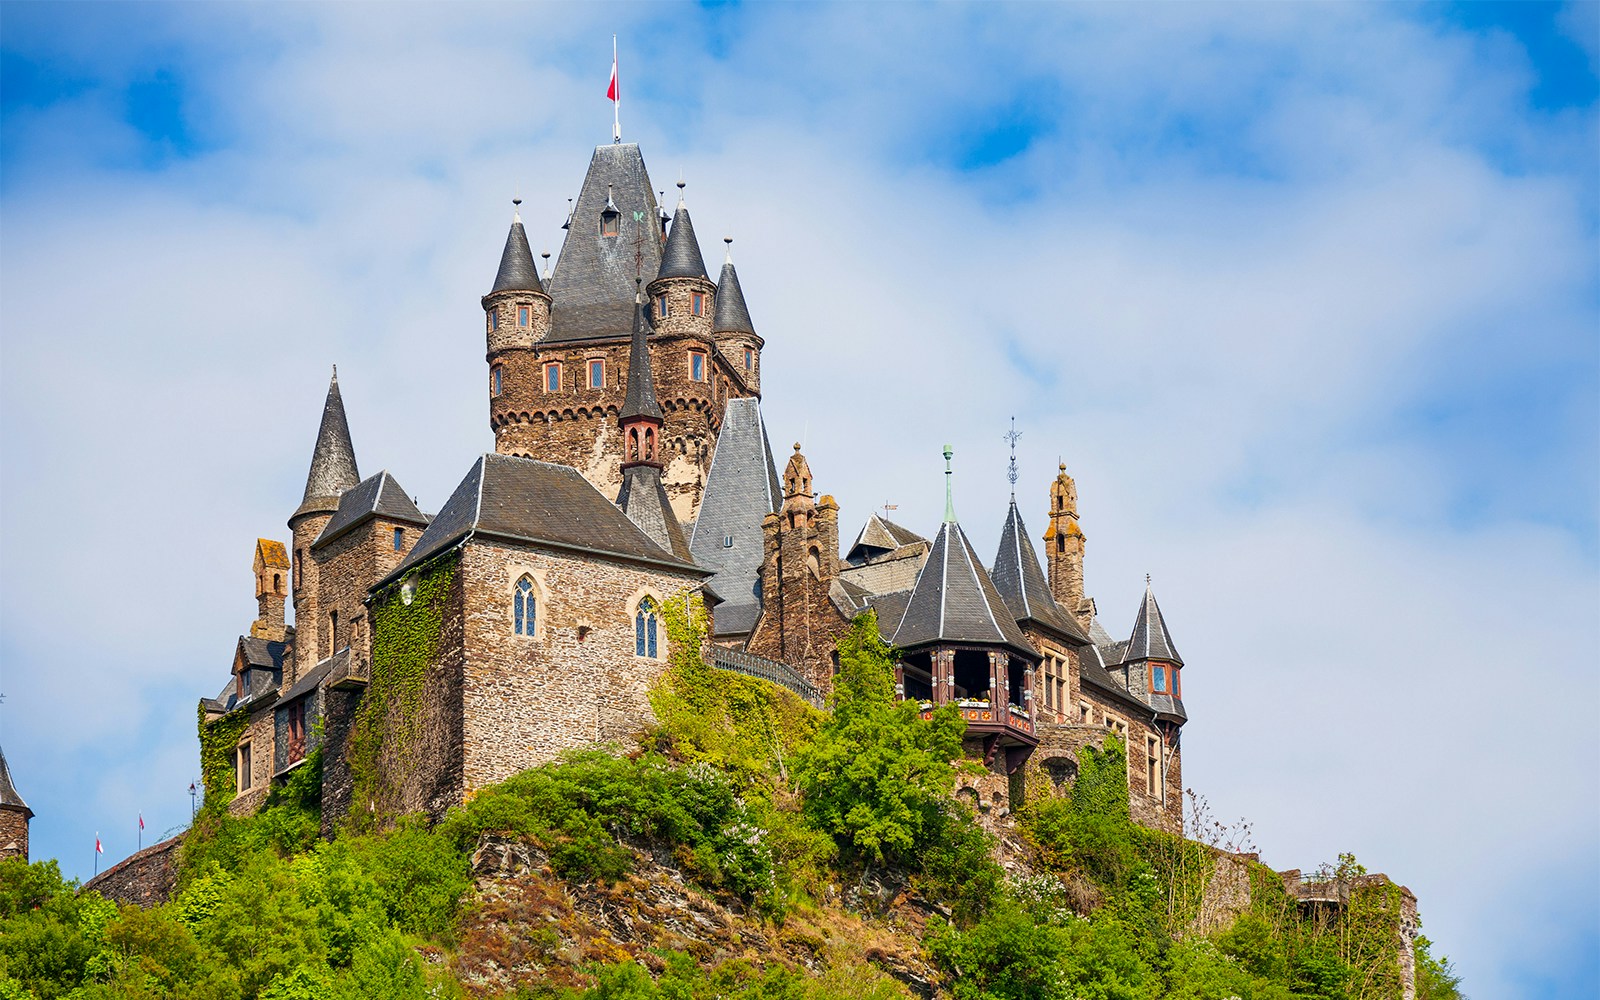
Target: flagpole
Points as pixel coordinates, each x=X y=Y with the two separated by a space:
x=97 y=852
x=616 y=102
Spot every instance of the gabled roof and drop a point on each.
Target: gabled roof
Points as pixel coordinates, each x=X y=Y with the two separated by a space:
x=732 y=315
x=681 y=258
x=592 y=288
x=377 y=496
x=882 y=534
x=517 y=272
x=271 y=554
x=640 y=400
x=644 y=500
x=741 y=490
x=333 y=461
x=8 y=792
x=1150 y=639
x=955 y=601
x=266 y=654
x=524 y=500
x=1021 y=582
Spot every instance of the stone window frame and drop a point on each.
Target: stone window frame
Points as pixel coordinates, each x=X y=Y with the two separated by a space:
x=634 y=603
x=497 y=380
x=243 y=765
x=590 y=369
x=552 y=366
x=1154 y=767
x=524 y=315
x=749 y=359
x=700 y=356
x=663 y=306
x=493 y=320
x=1085 y=713
x=515 y=574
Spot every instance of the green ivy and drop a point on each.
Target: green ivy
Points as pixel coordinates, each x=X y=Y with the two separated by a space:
x=219 y=741
x=405 y=641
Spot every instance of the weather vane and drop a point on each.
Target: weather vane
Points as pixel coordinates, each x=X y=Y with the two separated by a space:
x=1011 y=471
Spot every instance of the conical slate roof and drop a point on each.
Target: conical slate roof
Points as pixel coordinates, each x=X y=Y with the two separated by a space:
x=517 y=272
x=593 y=285
x=732 y=316
x=681 y=258
x=644 y=500
x=640 y=400
x=1150 y=639
x=955 y=601
x=741 y=490
x=333 y=462
x=377 y=496
x=9 y=799
x=1021 y=582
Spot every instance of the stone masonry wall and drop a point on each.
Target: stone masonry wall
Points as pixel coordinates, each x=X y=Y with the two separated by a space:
x=347 y=568
x=145 y=878
x=576 y=682
x=259 y=734
x=338 y=715
x=13 y=834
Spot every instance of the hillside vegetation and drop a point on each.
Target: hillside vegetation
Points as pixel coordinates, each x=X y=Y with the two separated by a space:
x=753 y=849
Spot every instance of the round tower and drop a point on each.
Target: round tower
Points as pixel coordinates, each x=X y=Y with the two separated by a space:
x=732 y=329
x=333 y=470
x=14 y=816
x=516 y=316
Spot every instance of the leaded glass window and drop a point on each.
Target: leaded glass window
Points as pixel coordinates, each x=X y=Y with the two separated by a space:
x=523 y=607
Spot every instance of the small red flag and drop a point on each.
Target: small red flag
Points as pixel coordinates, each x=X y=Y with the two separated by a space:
x=97 y=848
x=611 y=91
x=141 y=821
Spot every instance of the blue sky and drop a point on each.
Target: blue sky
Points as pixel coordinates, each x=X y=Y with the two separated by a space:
x=1305 y=295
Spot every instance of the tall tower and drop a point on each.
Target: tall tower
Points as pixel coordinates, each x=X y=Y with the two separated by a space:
x=799 y=623
x=642 y=496
x=14 y=816
x=516 y=317
x=333 y=470
x=735 y=334
x=1064 y=550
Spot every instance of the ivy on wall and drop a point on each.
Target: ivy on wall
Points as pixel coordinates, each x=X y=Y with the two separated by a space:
x=407 y=623
x=219 y=742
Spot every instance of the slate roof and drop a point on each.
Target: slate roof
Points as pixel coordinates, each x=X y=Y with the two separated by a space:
x=524 y=500
x=732 y=315
x=592 y=289
x=376 y=496
x=333 y=461
x=1092 y=670
x=1021 y=582
x=313 y=677
x=681 y=258
x=955 y=601
x=640 y=400
x=266 y=654
x=882 y=534
x=1150 y=639
x=517 y=272
x=8 y=791
x=644 y=500
x=741 y=489
x=891 y=609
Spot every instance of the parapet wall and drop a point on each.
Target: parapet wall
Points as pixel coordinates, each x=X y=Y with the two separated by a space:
x=146 y=878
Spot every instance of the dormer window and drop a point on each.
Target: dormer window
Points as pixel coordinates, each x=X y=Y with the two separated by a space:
x=661 y=307
x=1158 y=679
x=522 y=315
x=608 y=222
x=697 y=303
x=697 y=366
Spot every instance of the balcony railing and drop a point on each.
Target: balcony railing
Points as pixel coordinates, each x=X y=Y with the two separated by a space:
x=781 y=674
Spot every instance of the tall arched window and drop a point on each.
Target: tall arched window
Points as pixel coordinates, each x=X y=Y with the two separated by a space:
x=644 y=629
x=522 y=606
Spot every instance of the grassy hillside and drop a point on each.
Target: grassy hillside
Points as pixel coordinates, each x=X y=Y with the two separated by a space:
x=754 y=848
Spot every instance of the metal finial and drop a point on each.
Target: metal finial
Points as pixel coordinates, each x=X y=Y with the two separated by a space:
x=949 y=489
x=516 y=209
x=728 y=257
x=1147 y=579
x=546 y=258
x=336 y=373
x=1011 y=470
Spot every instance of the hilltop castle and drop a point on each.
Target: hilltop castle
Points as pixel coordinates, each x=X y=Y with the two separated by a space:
x=431 y=655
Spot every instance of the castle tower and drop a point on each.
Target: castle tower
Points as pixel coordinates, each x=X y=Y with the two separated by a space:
x=1151 y=671
x=735 y=334
x=14 y=816
x=1064 y=550
x=333 y=470
x=272 y=590
x=799 y=623
x=516 y=317
x=642 y=497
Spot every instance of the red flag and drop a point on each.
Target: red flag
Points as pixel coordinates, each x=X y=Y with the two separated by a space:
x=611 y=91
x=141 y=821
x=97 y=848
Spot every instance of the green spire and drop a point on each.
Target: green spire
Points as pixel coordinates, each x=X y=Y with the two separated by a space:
x=949 y=494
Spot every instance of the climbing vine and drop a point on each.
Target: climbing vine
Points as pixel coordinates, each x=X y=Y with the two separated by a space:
x=218 y=742
x=407 y=623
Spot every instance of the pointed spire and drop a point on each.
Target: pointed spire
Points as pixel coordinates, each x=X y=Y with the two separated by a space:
x=949 y=488
x=1150 y=639
x=333 y=462
x=732 y=315
x=517 y=273
x=8 y=792
x=641 y=398
x=681 y=258
x=1021 y=582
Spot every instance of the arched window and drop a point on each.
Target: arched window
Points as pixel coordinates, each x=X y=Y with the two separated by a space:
x=522 y=606
x=644 y=629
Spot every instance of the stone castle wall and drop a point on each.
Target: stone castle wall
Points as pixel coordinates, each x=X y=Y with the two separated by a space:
x=146 y=878
x=13 y=834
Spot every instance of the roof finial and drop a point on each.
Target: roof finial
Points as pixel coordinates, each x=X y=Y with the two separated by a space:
x=949 y=489
x=516 y=210
x=681 y=185
x=1011 y=470
x=336 y=373
x=728 y=257
x=1147 y=579
x=546 y=256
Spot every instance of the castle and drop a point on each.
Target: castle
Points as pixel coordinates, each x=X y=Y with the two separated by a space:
x=432 y=655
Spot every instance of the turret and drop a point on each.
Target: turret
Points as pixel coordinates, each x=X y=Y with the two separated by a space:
x=272 y=590
x=14 y=816
x=1064 y=551
x=333 y=470
x=682 y=297
x=642 y=496
x=516 y=318
x=800 y=563
x=735 y=334
x=1152 y=662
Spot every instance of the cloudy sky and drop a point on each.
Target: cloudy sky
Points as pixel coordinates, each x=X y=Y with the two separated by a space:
x=1306 y=297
